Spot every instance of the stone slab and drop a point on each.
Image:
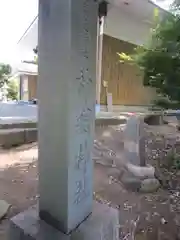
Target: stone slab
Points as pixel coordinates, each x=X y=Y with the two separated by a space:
x=141 y=172
x=103 y=224
x=11 y=137
x=17 y=137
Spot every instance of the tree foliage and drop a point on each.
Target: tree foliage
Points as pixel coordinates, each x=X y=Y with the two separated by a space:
x=12 y=90
x=160 y=58
x=5 y=71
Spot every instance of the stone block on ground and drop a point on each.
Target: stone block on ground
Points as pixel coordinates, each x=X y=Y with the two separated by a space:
x=134 y=140
x=102 y=224
x=149 y=185
x=16 y=137
x=125 y=178
x=141 y=172
x=12 y=137
x=153 y=119
x=130 y=182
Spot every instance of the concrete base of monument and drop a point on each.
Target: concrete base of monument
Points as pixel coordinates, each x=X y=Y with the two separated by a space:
x=102 y=224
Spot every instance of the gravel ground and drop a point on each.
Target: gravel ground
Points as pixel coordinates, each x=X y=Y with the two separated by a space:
x=142 y=216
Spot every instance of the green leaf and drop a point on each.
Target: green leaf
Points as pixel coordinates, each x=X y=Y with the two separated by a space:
x=5 y=71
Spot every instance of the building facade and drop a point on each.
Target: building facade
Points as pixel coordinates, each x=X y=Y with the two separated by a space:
x=127 y=24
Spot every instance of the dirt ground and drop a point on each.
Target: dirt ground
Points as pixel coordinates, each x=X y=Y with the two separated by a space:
x=142 y=216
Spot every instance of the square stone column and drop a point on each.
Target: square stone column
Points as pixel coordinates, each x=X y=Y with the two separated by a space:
x=66 y=98
x=134 y=140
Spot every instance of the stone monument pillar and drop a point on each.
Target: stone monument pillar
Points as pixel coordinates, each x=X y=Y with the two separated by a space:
x=66 y=98
x=67 y=88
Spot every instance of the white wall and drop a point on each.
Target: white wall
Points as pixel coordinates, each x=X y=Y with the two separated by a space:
x=125 y=27
x=28 y=42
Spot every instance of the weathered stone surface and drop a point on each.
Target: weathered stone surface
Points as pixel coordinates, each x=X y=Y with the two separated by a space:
x=141 y=172
x=66 y=101
x=15 y=137
x=4 y=207
x=12 y=137
x=131 y=183
x=102 y=224
x=134 y=140
x=31 y=135
x=149 y=185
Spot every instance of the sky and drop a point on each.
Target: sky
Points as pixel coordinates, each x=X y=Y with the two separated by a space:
x=15 y=17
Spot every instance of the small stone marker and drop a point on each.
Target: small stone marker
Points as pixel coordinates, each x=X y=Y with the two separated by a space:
x=134 y=140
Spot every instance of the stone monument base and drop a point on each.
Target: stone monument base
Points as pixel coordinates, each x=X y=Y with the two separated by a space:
x=102 y=224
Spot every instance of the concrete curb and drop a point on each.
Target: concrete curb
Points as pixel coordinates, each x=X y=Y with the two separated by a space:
x=110 y=121
x=18 y=125
x=16 y=134
x=15 y=137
